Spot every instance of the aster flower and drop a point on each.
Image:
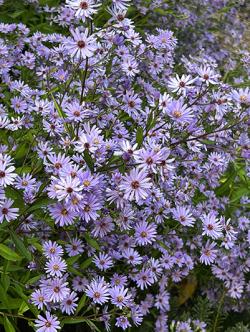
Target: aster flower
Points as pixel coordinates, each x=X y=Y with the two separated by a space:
x=56 y=266
x=39 y=299
x=103 y=261
x=81 y=45
x=211 y=226
x=52 y=249
x=132 y=256
x=119 y=296
x=69 y=303
x=7 y=212
x=135 y=185
x=180 y=84
x=145 y=233
x=62 y=214
x=7 y=175
x=56 y=290
x=162 y=301
x=98 y=290
x=208 y=253
x=183 y=215
x=67 y=188
x=48 y=324
x=179 y=112
x=144 y=278
x=75 y=247
x=207 y=75
x=122 y=322
x=84 y=9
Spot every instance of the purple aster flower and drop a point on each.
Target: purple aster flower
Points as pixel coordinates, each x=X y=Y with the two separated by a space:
x=48 y=324
x=211 y=226
x=144 y=278
x=183 y=215
x=179 y=112
x=81 y=45
x=62 y=214
x=39 y=298
x=7 y=176
x=103 y=261
x=56 y=266
x=119 y=296
x=52 y=249
x=180 y=85
x=208 y=253
x=75 y=247
x=135 y=185
x=69 y=303
x=162 y=301
x=98 y=290
x=132 y=256
x=56 y=289
x=68 y=188
x=90 y=207
x=26 y=182
x=145 y=233
x=122 y=322
x=7 y=212
x=84 y=9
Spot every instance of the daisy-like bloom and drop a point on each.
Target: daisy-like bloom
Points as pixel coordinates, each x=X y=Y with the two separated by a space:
x=56 y=290
x=135 y=185
x=130 y=67
x=75 y=247
x=144 y=278
x=62 y=214
x=132 y=256
x=39 y=299
x=48 y=324
x=103 y=261
x=7 y=212
x=90 y=207
x=102 y=227
x=164 y=100
x=179 y=112
x=52 y=249
x=55 y=266
x=148 y=160
x=84 y=9
x=69 y=304
x=241 y=96
x=25 y=182
x=126 y=150
x=7 y=175
x=211 y=226
x=119 y=296
x=98 y=290
x=183 y=215
x=208 y=253
x=145 y=233
x=119 y=280
x=162 y=301
x=207 y=75
x=81 y=46
x=121 y=4
x=216 y=159
x=123 y=322
x=74 y=112
x=67 y=188
x=180 y=85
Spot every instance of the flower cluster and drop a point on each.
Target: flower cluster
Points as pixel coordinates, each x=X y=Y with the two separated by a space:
x=117 y=167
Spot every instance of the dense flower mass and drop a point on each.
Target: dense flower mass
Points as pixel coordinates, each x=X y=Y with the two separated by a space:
x=124 y=169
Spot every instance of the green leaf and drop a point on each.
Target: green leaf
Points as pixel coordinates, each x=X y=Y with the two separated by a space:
x=86 y=263
x=23 y=308
x=8 y=254
x=93 y=243
x=89 y=161
x=81 y=304
x=73 y=320
x=40 y=203
x=139 y=136
x=8 y=327
x=21 y=248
